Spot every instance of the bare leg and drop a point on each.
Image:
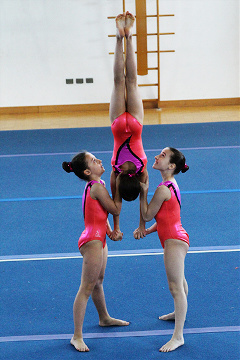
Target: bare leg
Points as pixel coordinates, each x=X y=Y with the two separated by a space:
x=118 y=101
x=92 y=253
x=171 y=316
x=99 y=298
x=134 y=100
x=125 y=95
x=174 y=256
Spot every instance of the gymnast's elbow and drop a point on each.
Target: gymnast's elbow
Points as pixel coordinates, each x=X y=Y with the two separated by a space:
x=116 y=211
x=147 y=217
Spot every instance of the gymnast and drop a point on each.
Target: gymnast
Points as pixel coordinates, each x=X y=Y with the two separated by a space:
x=129 y=161
x=165 y=207
x=97 y=203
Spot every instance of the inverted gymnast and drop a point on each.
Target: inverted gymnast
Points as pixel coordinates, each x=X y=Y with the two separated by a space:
x=129 y=161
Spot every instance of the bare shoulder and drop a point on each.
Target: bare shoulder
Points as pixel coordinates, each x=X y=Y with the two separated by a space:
x=97 y=190
x=163 y=192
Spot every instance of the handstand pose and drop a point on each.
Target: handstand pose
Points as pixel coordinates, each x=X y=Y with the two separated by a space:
x=126 y=115
x=92 y=242
x=165 y=207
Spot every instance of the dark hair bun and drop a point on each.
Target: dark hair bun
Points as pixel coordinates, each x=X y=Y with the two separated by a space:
x=185 y=168
x=66 y=166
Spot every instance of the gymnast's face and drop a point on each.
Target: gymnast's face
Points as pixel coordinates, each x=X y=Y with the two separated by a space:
x=94 y=164
x=162 y=161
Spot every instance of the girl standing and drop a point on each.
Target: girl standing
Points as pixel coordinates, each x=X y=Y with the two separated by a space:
x=97 y=203
x=165 y=207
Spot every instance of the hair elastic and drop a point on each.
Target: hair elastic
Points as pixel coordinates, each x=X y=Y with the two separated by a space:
x=70 y=166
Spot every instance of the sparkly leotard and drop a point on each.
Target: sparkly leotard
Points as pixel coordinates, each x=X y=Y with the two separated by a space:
x=168 y=217
x=128 y=145
x=95 y=218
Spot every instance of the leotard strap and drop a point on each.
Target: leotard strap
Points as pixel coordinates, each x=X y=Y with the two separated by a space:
x=176 y=190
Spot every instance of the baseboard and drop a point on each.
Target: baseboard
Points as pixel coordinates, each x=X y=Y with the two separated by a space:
x=148 y=104
x=199 y=103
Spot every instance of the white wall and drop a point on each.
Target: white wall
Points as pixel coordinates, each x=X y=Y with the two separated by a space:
x=43 y=42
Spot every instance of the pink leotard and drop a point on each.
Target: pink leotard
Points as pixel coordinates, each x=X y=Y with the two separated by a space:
x=95 y=218
x=127 y=132
x=168 y=217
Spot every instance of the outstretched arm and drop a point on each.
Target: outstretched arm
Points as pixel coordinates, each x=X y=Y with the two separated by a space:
x=116 y=221
x=140 y=232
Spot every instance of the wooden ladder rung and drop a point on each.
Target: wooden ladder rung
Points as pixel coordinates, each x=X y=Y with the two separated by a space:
x=114 y=17
x=150 y=34
x=161 y=51
x=149 y=52
x=167 y=33
x=147 y=84
x=150 y=16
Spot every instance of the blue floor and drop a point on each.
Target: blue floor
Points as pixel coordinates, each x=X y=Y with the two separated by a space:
x=40 y=208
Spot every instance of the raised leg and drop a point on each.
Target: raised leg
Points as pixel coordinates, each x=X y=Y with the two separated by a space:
x=134 y=100
x=118 y=101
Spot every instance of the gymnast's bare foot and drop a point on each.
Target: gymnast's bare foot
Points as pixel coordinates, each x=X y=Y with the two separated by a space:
x=79 y=344
x=113 y=322
x=167 y=317
x=129 y=21
x=171 y=345
x=120 y=24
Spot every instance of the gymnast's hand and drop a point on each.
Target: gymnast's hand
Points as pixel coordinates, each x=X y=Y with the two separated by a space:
x=139 y=233
x=116 y=235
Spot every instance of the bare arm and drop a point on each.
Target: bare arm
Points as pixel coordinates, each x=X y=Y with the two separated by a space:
x=109 y=229
x=100 y=193
x=116 y=220
x=144 y=176
x=161 y=194
x=151 y=229
x=143 y=179
x=140 y=232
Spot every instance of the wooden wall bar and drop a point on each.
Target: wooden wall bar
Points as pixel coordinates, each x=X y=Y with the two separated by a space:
x=141 y=29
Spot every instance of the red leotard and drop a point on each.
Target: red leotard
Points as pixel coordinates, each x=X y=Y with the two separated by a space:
x=95 y=218
x=168 y=217
x=127 y=132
